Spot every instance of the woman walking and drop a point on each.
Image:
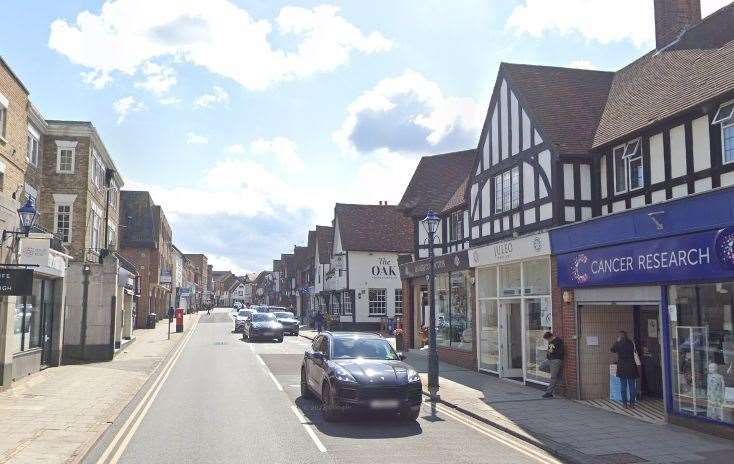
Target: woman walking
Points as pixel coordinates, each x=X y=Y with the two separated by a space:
x=626 y=368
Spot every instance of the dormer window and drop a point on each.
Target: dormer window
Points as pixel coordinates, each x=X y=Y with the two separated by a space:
x=725 y=117
x=628 y=167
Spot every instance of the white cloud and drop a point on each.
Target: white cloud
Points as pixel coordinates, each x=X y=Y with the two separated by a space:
x=192 y=138
x=217 y=35
x=97 y=79
x=225 y=263
x=598 y=20
x=125 y=106
x=170 y=101
x=158 y=78
x=282 y=149
x=237 y=149
x=583 y=64
x=218 y=95
x=409 y=113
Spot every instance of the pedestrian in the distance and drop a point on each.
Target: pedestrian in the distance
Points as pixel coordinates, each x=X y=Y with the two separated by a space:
x=208 y=309
x=170 y=314
x=626 y=368
x=318 y=321
x=554 y=356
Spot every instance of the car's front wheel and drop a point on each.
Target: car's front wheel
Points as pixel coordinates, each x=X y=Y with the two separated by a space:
x=305 y=391
x=329 y=404
x=279 y=339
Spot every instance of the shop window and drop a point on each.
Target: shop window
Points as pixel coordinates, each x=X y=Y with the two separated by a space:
x=702 y=350
x=454 y=321
x=442 y=310
x=28 y=329
x=488 y=336
x=537 y=277
x=377 y=302
x=398 y=301
x=510 y=280
x=487 y=285
x=539 y=321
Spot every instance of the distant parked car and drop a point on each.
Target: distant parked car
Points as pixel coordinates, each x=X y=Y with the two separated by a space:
x=289 y=321
x=273 y=309
x=241 y=318
x=263 y=325
x=237 y=305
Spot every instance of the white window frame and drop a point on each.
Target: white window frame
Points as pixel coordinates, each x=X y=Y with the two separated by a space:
x=97 y=170
x=34 y=146
x=719 y=119
x=498 y=206
x=113 y=194
x=347 y=305
x=456 y=225
x=62 y=145
x=4 y=105
x=515 y=187
x=377 y=306
x=723 y=143
x=95 y=231
x=399 y=293
x=71 y=219
x=507 y=198
x=627 y=159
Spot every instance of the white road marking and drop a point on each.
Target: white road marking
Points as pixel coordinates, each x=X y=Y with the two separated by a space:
x=275 y=381
x=260 y=360
x=309 y=429
x=132 y=423
x=507 y=440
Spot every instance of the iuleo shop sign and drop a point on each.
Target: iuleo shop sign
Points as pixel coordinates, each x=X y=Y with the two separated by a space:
x=703 y=255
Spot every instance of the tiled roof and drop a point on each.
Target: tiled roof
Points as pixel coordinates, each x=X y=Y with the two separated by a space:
x=324 y=236
x=458 y=198
x=374 y=228
x=435 y=181
x=660 y=85
x=565 y=103
x=311 y=244
x=301 y=256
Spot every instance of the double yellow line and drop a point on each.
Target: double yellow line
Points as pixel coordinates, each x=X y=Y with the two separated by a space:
x=120 y=441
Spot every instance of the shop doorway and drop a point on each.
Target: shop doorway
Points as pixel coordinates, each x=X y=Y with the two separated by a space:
x=510 y=325
x=47 y=319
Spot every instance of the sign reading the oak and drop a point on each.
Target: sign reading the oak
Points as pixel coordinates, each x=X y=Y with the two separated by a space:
x=703 y=255
x=383 y=269
x=17 y=282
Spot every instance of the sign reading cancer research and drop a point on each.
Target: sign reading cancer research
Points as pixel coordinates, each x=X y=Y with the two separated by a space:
x=703 y=255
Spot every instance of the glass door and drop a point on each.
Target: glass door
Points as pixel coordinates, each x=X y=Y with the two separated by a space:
x=47 y=319
x=511 y=343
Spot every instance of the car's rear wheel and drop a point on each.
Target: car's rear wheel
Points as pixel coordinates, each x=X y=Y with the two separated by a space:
x=410 y=414
x=305 y=391
x=329 y=404
x=279 y=339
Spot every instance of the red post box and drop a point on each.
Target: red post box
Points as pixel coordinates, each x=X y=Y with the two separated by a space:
x=179 y=319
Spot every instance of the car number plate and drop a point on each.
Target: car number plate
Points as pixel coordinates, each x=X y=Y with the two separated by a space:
x=384 y=404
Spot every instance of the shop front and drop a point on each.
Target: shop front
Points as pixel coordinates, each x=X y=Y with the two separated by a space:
x=665 y=275
x=455 y=313
x=513 y=289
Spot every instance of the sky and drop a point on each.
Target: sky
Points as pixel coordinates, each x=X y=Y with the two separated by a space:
x=248 y=120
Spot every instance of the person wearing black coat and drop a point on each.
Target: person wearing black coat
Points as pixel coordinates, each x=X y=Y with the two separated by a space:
x=626 y=368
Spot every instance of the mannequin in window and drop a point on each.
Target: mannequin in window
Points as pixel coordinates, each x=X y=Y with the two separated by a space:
x=715 y=393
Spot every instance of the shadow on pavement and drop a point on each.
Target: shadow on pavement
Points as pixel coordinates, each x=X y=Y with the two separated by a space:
x=359 y=425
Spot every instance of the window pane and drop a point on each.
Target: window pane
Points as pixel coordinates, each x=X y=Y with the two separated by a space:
x=443 y=332
x=33 y=310
x=537 y=277
x=398 y=301
x=506 y=189
x=702 y=350
x=723 y=114
x=488 y=335
x=729 y=144
x=498 y=194
x=539 y=321
x=620 y=176
x=515 y=187
x=635 y=170
x=487 y=285
x=510 y=280
x=461 y=323
x=632 y=148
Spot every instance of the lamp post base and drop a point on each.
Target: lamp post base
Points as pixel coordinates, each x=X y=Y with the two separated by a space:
x=433 y=394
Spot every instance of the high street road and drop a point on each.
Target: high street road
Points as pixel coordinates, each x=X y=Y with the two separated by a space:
x=219 y=399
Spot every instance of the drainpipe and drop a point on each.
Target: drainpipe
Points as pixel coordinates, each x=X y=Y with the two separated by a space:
x=86 y=270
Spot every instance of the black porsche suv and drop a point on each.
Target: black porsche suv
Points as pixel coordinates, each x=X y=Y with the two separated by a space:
x=348 y=370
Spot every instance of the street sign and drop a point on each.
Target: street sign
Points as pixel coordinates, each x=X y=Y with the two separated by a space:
x=17 y=282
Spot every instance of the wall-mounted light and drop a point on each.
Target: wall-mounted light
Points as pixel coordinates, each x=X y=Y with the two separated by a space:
x=27 y=215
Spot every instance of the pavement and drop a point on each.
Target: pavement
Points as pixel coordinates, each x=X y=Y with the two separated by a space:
x=57 y=414
x=571 y=431
x=226 y=400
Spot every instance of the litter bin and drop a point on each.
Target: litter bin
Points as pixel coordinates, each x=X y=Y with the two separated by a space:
x=151 y=321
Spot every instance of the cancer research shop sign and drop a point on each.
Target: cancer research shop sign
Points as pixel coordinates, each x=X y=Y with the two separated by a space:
x=700 y=256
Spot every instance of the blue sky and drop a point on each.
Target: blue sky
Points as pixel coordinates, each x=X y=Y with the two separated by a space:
x=248 y=120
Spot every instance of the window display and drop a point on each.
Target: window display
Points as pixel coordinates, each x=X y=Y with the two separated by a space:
x=488 y=336
x=539 y=322
x=702 y=350
x=454 y=323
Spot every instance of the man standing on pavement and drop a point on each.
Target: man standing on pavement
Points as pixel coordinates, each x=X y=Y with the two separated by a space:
x=555 y=362
x=318 y=321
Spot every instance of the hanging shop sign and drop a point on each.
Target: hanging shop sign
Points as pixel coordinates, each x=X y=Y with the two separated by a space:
x=445 y=263
x=701 y=256
x=18 y=282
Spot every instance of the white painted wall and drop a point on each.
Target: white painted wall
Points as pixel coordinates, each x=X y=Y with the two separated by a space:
x=373 y=270
x=677 y=151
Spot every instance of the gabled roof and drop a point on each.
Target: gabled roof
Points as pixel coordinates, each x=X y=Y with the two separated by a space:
x=300 y=254
x=565 y=104
x=311 y=244
x=374 y=228
x=435 y=181
x=458 y=199
x=697 y=68
x=324 y=237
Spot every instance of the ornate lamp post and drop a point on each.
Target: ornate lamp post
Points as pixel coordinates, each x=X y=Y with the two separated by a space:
x=430 y=224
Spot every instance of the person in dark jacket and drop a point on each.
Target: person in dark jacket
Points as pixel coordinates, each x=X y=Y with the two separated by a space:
x=626 y=368
x=555 y=356
x=318 y=321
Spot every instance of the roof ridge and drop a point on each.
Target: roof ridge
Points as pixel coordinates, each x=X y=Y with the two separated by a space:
x=565 y=68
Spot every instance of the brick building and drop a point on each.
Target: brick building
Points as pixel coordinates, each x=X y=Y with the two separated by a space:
x=201 y=278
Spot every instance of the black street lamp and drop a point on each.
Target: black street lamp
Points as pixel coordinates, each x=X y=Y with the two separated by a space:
x=27 y=215
x=430 y=223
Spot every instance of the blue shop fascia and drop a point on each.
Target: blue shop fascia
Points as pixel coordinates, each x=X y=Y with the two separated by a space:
x=664 y=274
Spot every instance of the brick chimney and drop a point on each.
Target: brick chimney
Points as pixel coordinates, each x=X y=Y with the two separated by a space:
x=672 y=17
